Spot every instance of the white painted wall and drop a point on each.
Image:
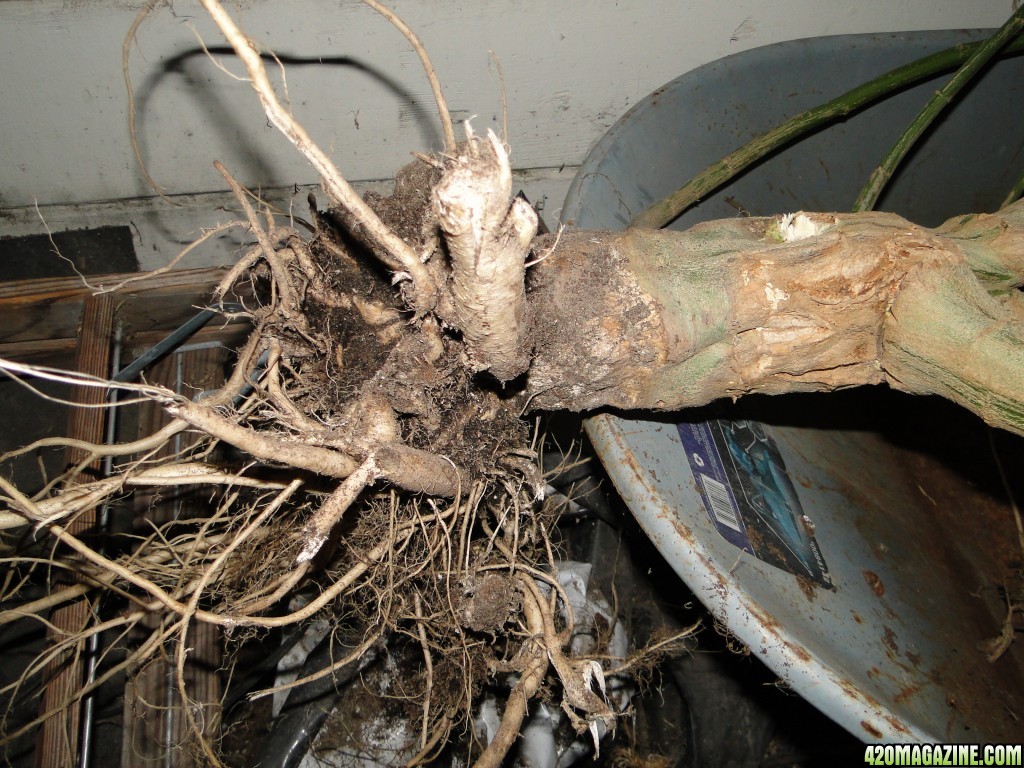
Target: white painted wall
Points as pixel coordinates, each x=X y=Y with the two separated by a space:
x=572 y=67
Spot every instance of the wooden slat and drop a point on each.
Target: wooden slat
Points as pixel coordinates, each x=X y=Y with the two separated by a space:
x=52 y=319
x=58 y=737
x=51 y=350
x=139 y=282
x=48 y=311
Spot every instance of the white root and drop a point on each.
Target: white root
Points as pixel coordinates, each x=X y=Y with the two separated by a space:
x=488 y=241
x=78 y=498
x=320 y=524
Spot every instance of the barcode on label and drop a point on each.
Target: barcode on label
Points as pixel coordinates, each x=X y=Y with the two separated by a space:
x=718 y=497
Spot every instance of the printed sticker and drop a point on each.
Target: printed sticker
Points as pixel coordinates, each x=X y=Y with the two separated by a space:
x=749 y=496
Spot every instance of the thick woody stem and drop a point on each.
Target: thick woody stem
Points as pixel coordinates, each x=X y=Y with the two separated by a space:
x=666 y=320
x=946 y=336
x=488 y=242
x=993 y=244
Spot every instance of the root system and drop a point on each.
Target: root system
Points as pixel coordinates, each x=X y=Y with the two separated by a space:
x=360 y=466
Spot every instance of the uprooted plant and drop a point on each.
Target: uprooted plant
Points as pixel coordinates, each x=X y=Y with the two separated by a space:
x=410 y=505
x=389 y=478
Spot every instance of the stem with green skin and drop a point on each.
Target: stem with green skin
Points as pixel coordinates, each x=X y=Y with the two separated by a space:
x=946 y=336
x=993 y=245
x=719 y=173
x=1014 y=194
x=663 y=320
x=981 y=55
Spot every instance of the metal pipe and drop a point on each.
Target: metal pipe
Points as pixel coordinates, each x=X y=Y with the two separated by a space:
x=172 y=341
x=169 y=713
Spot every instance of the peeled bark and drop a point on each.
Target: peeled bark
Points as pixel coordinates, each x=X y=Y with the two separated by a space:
x=662 y=320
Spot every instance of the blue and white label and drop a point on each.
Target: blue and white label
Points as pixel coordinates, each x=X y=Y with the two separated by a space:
x=749 y=497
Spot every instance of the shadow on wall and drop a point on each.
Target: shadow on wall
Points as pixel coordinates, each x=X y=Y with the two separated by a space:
x=196 y=78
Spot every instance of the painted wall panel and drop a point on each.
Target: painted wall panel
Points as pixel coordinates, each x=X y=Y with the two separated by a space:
x=571 y=68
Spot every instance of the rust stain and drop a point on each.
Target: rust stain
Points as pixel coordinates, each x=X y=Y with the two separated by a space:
x=874 y=672
x=772 y=627
x=872 y=731
x=806 y=586
x=895 y=724
x=766 y=621
x=633 y=464
x=799 y=652
x=874 y=581
x=857 y=617
x=889 y=640
x=858 y=695
x=849 y=688
x=906 y=692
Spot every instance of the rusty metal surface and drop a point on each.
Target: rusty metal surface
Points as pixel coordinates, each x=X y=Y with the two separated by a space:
x=891 y=654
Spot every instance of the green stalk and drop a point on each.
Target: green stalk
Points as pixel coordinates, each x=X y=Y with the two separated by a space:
x=1014 y=194
x=979 y=58
x=715 y=175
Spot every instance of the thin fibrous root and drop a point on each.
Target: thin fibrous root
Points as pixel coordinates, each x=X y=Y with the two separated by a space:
x=428 y=69
x=425 y=289
x=534 y=667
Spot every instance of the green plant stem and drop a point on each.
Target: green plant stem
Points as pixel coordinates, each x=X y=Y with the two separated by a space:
x=981 y=55
x=1014 y=194
x=715 y=175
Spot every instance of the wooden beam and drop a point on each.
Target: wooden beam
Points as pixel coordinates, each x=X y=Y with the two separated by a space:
x=39 y=316
x=52 y=351
x=57 y=745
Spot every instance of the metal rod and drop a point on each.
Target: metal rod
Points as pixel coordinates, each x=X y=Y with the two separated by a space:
x=172 y=341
